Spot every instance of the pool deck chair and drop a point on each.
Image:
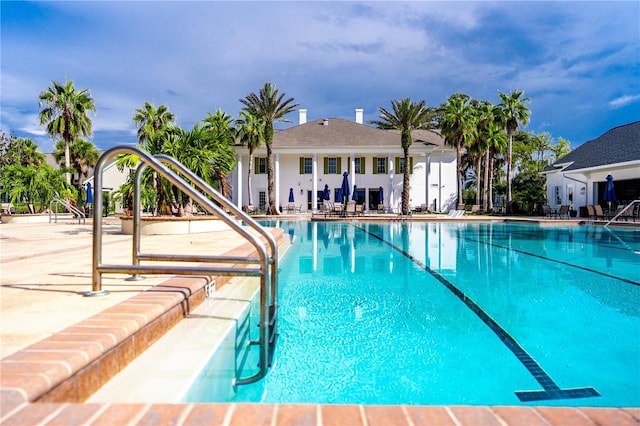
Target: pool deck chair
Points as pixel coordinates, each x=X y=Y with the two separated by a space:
x=599 y=213
x=563 y=213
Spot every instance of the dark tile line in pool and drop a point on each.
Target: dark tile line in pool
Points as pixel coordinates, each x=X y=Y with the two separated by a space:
x=551 y=389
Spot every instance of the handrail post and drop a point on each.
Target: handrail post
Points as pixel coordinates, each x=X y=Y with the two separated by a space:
x=96 y=259
x=136 y=221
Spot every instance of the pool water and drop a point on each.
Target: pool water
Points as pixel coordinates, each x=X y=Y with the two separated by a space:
x=455 y=313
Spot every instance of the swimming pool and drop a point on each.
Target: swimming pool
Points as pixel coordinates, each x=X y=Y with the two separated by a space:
x=454 y=313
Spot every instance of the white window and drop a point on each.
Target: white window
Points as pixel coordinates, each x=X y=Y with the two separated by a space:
x=333 y=165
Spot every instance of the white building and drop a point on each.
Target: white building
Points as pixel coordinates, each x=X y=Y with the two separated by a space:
x=579 y=178
x=316 y=153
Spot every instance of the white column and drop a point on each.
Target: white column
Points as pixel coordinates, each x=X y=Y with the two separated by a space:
x=276 y=181
x=353 y=170
x=392 y=197
x=239 y=182
x=314 y=180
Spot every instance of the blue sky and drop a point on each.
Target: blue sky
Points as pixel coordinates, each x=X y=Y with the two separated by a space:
x=578 y=62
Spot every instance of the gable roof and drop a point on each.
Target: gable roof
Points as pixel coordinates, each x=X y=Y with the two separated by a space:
x=342 y=133
x=618 y=145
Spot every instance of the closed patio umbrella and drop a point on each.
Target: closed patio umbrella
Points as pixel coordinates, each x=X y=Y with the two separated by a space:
x=325 y=194
x=291 y=198
x=380 y=196
x=339 y=196
x=609 y=191
x=346 y=190
x=89 y=194
x=354 y=197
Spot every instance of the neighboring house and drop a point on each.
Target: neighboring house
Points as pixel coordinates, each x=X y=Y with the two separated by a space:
x=579 y=178
x=112 y=179
x=316 y=153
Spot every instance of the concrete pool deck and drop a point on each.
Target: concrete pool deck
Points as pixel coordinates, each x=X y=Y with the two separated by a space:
x=58 y=347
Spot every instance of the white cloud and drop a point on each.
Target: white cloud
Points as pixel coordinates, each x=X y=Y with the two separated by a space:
x=623 y=101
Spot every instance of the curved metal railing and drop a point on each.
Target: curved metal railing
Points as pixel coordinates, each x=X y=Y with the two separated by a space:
x=67 y=205
x=266 y=259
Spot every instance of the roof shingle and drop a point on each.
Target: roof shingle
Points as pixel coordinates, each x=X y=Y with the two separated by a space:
x=618 y=145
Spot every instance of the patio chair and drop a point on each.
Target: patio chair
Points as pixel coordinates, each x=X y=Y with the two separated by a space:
x=563 y=213
x=359 y=209
x=599 y=213
x=351 y=208
x=381 y=208
x=291 y=208
x=591 y=213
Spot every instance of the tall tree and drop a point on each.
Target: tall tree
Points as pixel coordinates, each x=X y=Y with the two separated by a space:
x=405 y=116
x=64 y=112
x=457 y=124
x=21 y=151
x=250 y=132
x=156 y=126
x=83 y=156
x=270 y=105
x=496 y=144
x=513 y=110
x=220 y=138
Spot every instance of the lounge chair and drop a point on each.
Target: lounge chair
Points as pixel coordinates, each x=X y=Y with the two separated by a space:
x=249 y=209
x=475 y=208
x=7 y=208
x=359 y=209
x=381 y=208
x=591 y=213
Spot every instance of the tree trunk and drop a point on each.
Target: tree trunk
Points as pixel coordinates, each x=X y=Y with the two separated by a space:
x=486 y=180
x=478 y=179
x=460 y=201
x=509 y=166
x=67 y=175
x=405 y=183
x=273 y=209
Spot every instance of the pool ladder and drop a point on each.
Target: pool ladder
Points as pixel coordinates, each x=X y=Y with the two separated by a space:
x=216 y=204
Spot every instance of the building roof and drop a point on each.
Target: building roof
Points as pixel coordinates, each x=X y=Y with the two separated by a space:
x=618 y=145
x=341 y=133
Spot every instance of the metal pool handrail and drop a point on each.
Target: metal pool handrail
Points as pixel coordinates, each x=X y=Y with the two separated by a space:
x=73 y=209
x=267 y=327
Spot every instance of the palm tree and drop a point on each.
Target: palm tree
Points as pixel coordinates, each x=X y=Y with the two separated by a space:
x=457 y=124
x=270 y=106
x=496 y=143
x=65 y=114
x=22 y=151
x=150 y=121
x=405 y=116
x=155 y=127
x=250 y=132
x=220 y=138
x=512 y=111
x=83 y=156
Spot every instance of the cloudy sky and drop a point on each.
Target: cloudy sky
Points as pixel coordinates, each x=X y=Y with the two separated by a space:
x=578 y=62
